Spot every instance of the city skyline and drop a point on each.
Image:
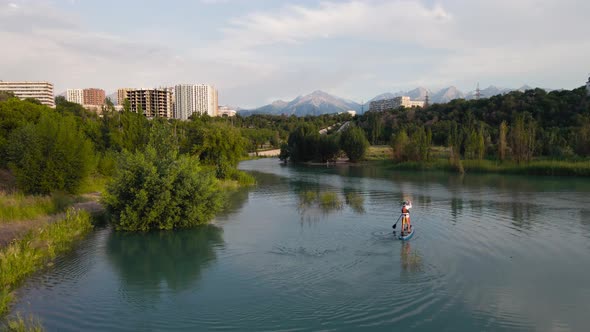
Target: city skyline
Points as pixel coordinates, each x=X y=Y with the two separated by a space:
x=255 y=52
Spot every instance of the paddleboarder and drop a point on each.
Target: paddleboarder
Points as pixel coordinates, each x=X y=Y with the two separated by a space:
x=406 y=225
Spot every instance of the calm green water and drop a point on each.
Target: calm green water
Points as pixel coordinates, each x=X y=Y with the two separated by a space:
x=490 y=253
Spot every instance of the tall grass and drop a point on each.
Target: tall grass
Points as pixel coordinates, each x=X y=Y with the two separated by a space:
x=20 y=324
x=32 y=252
x=14 y=207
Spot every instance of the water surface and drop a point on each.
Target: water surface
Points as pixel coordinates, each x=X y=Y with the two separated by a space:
x=490 y=253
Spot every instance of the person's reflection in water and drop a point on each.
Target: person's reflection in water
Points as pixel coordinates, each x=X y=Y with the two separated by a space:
x=167 y=261
x=411 y=260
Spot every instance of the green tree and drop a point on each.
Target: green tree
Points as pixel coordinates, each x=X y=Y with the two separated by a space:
x=328 y=147
x=303 y=143
x=354 y=143
x=398 y=144
x=502 y=141
x=50 y=156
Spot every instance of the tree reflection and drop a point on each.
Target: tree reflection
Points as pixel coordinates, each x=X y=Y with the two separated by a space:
x=171 y=259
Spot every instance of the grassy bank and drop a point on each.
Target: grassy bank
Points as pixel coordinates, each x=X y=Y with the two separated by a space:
x=15 y=207
x=535 y=167
x=36 y=250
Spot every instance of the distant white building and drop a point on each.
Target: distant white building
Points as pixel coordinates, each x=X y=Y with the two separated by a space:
x=226 y=111
x=195 y=98
x=388 y=104
x=42 y=91
x=75 y=96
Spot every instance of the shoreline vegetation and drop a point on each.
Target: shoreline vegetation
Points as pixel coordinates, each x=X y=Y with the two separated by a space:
x=34 y=252
x=381 y=155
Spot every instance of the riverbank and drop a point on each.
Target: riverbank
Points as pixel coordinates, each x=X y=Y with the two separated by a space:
x=535 y=167
x=440 y=162
x=37 y=249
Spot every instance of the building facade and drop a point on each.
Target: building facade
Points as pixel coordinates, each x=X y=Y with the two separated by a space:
x=393 y=103
x=195 y=98
x=152 y=102
x=122 y=95
x=75 y=96
x=42 y=91
x=94 y=96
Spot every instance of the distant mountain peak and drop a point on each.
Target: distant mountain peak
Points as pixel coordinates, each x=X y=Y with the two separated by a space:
x=316 y=103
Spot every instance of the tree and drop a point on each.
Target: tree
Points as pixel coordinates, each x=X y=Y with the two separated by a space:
x=523 y=138
x=158 y=189
x=328 y=147
x=53 y=155
x=502 y=141
x=303 y=143
x=354 y=143
x=215 y=144
x=398 y=144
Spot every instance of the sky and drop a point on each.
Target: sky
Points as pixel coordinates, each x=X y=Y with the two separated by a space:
x=257 y=51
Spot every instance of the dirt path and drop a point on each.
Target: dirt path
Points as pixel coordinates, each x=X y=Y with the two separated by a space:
x=13 y=230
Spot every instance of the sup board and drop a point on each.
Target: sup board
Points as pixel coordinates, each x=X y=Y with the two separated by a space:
x=407 y=236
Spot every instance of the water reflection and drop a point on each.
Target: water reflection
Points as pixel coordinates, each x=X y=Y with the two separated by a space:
x=410 y=259
x=157 y=260
x=315 y=203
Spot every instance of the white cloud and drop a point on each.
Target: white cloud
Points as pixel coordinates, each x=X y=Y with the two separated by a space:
x=356 y=49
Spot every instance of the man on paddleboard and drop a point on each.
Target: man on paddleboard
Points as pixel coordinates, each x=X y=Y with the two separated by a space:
x=406 y=226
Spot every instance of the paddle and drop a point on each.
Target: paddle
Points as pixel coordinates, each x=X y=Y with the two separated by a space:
x=397 y=221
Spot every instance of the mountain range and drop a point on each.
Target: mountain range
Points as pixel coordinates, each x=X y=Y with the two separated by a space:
x=320 y=102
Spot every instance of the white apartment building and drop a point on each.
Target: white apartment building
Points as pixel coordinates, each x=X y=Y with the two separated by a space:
x=397 y=102
x=75 y=96
x=42 y=91
x=195 y=98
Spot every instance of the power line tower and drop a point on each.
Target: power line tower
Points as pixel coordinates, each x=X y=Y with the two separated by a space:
x=477 y=92
x=426 y=100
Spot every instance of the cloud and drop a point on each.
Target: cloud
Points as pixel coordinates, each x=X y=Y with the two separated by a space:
x=356 y=49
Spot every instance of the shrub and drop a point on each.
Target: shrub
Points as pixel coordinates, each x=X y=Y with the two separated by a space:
x=157 y=189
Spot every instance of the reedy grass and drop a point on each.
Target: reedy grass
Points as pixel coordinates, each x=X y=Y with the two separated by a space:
x=20 y=324
x=330 y=201
x=14 y=207
x=355 y=201
x=32 y=252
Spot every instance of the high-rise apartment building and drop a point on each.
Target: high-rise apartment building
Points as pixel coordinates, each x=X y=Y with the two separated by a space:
x=122 y=95
x=195 y=98
x=94 y=96
x=42 y=91
x=152 y=102
x=75 y=96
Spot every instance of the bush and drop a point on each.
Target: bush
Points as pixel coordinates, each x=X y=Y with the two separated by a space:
x=156 y=189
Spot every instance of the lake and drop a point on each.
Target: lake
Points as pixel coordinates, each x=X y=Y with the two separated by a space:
x=311 y=248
